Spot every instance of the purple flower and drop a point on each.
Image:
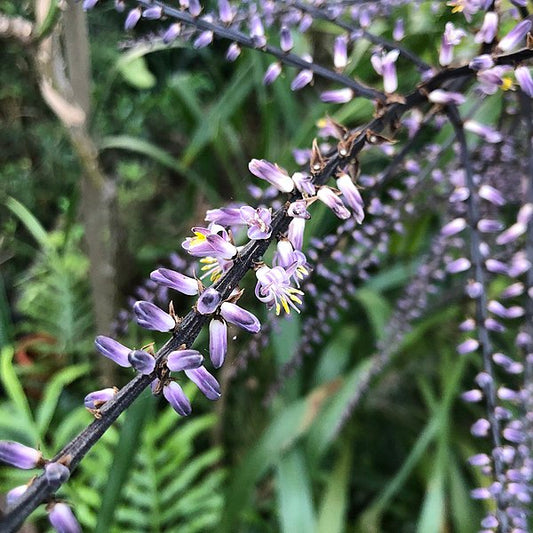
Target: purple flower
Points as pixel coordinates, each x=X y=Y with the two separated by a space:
x=295 y=233
x=398 y=31
x=113 y=350
x=480 y=428
x=233 y=52
x=62 y=518
x=240 y=317
x=205 y=382
x=133 y=17
x=303 y=78
x=56 y=474
x=257 y=32
x=204 y=39
x=218 y=341
x=492 y=79
x=523 y=76
x=153 y=13
x=95 y=400
x=258 y=221
x=450 y=38
x=326 y=195
x=468 y=346
x=272 y=73
x=209 y=301
x=473 y=396
x=285 y=40
x=172 y=33
x=352 y=196
x=515 y=36
x=175 y=396
x=225 y=11
x=213 y=241
x=452 y=228
x=386 y=67
x=89 y=4
x=175 y=280
x=486 y=225
x=340 y=52
x=339 y=96
x=481 y=62
x=274 y=289
x=195 y=7
x=459 y=265
x=142 y=361
x=293 y=261
x=180 y=360
x=304 y=183
x=149 y=316
x=272 y=173
x=490 y=135
x=19 y=456
x=489 y=28
x=492 y=195
x=298 y=209
x=440 y=96
x=14 y=494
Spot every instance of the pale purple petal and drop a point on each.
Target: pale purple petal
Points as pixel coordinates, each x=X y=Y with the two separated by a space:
x=208 y=301
x=523 y=76
x=272 y=173
x=175 y=396
x=516 y=35
x=218 y=341
x=95 y=400
x=113 y=350
x=142 y=361
x=175 y=280
x=180 y=360
x=328 y=197
x=62 y=519
x=338 y=96
x=56 y=474
x=149 y=316
x=19 y=456
x=205 y=382
x=240 y=317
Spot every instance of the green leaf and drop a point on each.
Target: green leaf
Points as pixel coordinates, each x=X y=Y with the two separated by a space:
x=332 y=515
x=377 y=309
x=325 y=428
x=288 y=426
x=53 y=391
x=295 y=504
x=135 y=71
x=15 y=392
x=433 y=509
x=30 y=222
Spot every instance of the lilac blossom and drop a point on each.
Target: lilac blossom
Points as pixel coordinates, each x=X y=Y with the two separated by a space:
x=233 y=52
x=258 y=221
x=516 y=35
x=95 y=400
x=209 y=301
x=149 y=316
x=132 y=18
x=330 y=198
x=175 y=280
x=207 y=384
x=240 y=317
x=218 y=341
x=185 y=359
x=175 y=396
x=272 y=73
x=113 y=350
x=274 y=289
x=62 y=518
x=488 y=30
x=523 y=76
x=213 y=241
x=272 y=173
x=303 y=78
x=286 y=42
x=385 y=65
x=338 y=96
x=340 y=52
x=451 y=37
x=19 y=456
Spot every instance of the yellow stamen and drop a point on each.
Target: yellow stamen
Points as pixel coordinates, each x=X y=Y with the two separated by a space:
x=507 y=83
x=285 y=306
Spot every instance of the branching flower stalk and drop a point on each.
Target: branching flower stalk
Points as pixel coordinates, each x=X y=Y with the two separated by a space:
x=278 y=286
